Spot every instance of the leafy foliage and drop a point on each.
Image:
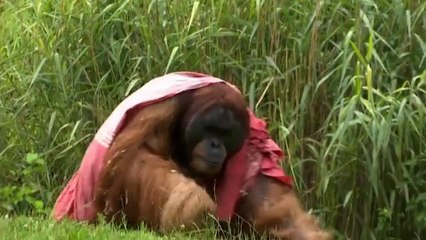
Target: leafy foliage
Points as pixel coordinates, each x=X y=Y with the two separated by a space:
x=341 y=83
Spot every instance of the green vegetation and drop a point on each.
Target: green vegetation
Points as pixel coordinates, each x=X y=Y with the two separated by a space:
x=24 y=228
x=341 y=83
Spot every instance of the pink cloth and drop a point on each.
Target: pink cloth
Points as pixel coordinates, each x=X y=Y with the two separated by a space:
x=259 y=154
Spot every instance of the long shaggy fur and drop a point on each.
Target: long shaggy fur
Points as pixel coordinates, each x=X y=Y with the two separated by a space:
x=151 y=190
x=273 y=209
x=141 y=184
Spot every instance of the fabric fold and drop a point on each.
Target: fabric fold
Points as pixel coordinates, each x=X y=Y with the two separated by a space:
x=259 y=155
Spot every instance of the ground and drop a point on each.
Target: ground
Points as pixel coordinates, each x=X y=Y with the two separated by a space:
x=37 y=228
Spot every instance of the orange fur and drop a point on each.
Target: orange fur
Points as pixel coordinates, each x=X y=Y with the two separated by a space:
x=272 y=208
x=187 y=206
x=151 y=190
x=140 y=184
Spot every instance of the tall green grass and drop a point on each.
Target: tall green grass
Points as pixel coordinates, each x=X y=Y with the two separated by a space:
x=342 y=85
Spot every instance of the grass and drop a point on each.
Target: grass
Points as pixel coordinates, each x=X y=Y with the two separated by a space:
x=37 y=228
x=342 y=85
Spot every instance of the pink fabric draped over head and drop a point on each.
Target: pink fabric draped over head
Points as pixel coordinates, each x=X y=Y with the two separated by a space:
x=260 y=154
